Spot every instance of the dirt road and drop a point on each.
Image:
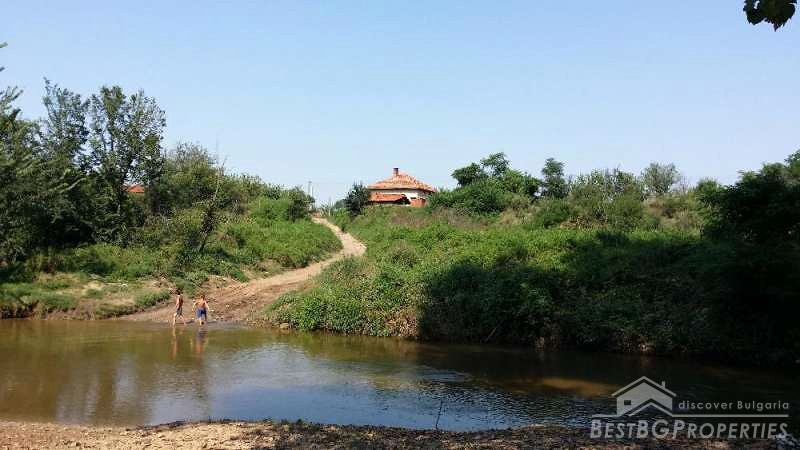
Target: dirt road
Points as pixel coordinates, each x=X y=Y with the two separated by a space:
x=240 y=302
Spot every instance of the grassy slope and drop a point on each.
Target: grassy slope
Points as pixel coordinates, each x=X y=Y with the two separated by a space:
x=447 y=277
x=106 y=280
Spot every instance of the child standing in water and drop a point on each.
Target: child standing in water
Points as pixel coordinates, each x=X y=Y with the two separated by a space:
x=178 y=307
x=201 y=309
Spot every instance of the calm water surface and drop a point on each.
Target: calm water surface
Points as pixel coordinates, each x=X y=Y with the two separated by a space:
x=132 y=373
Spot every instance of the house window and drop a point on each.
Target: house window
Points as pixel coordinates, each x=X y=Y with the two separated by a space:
x=627 y=402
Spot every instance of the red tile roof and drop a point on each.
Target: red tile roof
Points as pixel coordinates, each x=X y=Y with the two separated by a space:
x=379 y=197
x=135 y=189
x=401 y=181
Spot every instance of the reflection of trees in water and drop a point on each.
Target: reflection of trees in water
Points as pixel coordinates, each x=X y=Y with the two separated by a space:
x=104 y=372
x=99 y=372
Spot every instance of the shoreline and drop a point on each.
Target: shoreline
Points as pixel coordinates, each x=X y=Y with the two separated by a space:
x=227 y=434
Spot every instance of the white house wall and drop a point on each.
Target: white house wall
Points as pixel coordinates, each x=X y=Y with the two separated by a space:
x=410 y=193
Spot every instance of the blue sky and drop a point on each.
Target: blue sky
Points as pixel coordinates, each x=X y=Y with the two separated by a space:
x=339 y=91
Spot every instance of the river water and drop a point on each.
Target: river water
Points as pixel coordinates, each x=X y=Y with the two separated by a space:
x=126 y=373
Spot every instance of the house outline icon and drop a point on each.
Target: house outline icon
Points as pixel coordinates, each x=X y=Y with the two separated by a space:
x=641 y=394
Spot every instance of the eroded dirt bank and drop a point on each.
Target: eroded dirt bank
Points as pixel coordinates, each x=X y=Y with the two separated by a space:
x=270 y=435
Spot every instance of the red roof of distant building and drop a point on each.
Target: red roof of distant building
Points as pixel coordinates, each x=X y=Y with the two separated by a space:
x=401 y=181
x=135 y=189
x=379 y=197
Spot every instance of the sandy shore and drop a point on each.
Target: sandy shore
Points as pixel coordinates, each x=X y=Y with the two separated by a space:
x=272 y=435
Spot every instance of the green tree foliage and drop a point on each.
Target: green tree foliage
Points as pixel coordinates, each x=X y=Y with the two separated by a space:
x=487 y=196
x=774 y=12
x=356 y=200
x=33 y=184
x=659 y=179
x=21 y=182
x=300 y=204
x=190 y=176
x=762 y=207
x=469 y=174
x=64 y=180
x=608 y=198
x=553 y=181
x=603 y=198
x=520 y=183
x=488 y=188
x=125 y=140
x=758 y=217
x=63 y=135
x=496 y=164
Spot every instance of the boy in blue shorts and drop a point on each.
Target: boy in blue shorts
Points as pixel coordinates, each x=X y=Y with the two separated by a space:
x=201 y=309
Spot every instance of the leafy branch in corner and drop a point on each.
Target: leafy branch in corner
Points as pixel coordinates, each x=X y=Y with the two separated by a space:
x=775 y=12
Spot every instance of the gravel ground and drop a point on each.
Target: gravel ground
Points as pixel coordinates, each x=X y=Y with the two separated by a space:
x=283 y=435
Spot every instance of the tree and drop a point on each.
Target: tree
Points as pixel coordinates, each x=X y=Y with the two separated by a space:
x=608 y=197
x=775 y=12
x=125 y=140
x=496 y=164
x=659 y=179
x=299 y=204
x=31 y=191
x=189 y=176
x=64 y=131
x=19 y=181
x=63 y=135
x=211 y=211
x=469 y=174
x=762 y=207
x=487 y=196
x=521 y=183
x=555 y=185
x=757 y=220
x=357 y=199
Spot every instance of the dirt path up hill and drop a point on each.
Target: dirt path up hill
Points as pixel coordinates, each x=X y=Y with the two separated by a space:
x=240 y=302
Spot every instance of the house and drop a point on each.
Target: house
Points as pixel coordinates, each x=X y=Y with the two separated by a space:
x=642 y=393
x=134 y=189
x=400 y=189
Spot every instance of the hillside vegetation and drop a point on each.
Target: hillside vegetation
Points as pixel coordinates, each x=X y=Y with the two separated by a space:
x=605 y=261
x=97 y=218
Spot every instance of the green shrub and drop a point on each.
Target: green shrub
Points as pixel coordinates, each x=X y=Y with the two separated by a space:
x=485 y=196
x=610 y=288
x=150 y=298
x=52 y=301
x=22 y=299
x=552 y=212
x=266 y=210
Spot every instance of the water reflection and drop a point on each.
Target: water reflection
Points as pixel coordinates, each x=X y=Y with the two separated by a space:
x=130 y=373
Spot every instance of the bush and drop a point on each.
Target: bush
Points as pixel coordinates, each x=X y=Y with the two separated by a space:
x=485 y=196
x=357 y=199
x=150 y=298
x=22 y=299
x=609 y=288
x=552 y=212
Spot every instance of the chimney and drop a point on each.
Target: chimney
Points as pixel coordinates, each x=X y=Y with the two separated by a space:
x=395 y=171
x=664 y=384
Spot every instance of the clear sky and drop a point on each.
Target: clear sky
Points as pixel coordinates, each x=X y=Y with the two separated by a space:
x=340 y=91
